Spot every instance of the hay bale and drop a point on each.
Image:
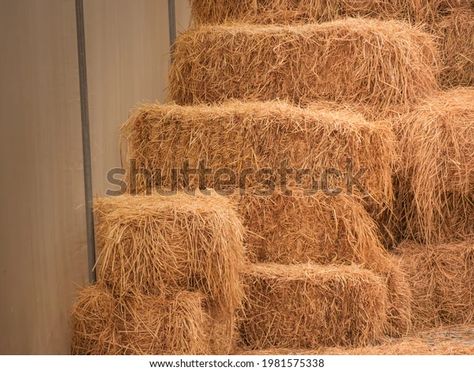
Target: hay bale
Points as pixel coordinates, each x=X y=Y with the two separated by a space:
x=319 y=228
x=304 y=11
x=153 y=325
x=158 y=245
x=456 y=32
x=391 y=63
x=255 y=136
x=436 y=174
x=442 y=282
x=139 y=324
x=93 y=327
x=309 y=305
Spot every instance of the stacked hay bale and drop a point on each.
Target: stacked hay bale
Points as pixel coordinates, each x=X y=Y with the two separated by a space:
x=436 y=174
x=168 y=277
x=451 y=21
x=391 y=64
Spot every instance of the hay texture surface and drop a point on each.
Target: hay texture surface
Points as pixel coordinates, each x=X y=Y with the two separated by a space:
x=442 y=282
x=324 y=229
x=304 y=11
x=309 y=305
x=437 y=167
x=263 y=135
x=139 y=324
x=319 y=228
x=390 y=63
x=158 y=245
x=457 y=47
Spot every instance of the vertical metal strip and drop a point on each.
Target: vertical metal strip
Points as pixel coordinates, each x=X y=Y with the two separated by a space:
x=172 y=25
x=86 y=144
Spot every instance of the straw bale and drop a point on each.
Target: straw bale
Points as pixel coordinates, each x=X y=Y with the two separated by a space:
x=436 y=174
x=93 y=328
x=456 y=32
x=304 y=11
x=257 y=136
x=391 y=63
x=309 y=305
x=442 y=282
x=139 y=324
x=158 y=245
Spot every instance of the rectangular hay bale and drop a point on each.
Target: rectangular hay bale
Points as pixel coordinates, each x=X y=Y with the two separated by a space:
x=139 y=324
x=306 y=306
x=158 y=245
x=391 y=63
x=304 y=11
x=442 y=282
x=237 y=137
x=436 y=171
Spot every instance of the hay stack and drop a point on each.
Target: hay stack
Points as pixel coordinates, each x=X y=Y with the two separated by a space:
x=391 y=63
x=257 y=136
x=310 y=305
x=442 y=282
x=158 y=245
x=304 y=11
x=457 y=47
x=139 y=324
x=436 y=173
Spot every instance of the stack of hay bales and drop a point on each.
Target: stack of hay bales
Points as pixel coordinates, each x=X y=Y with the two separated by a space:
x=280 y=120
x=168 y=277
x=451 y=21
x=436 y=206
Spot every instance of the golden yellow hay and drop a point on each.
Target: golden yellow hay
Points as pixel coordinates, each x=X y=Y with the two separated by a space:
x=303 y=11
x=139 y=324
x=391 y=63
x=237 y=137
x=442 y=282
x=309 y=305
x=456 y=32
x=93 y=327
x=323 y=230
x=158 y=245
x=442 y=340
x=436 y=172
x=319 y=228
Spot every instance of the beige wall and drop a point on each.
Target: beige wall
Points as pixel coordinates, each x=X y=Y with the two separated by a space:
x=42 y=233
x=127 y=61
x=42 y=230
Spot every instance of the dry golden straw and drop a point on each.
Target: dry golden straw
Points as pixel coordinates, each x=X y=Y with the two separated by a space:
x=390 y=63
x=457 y=47
x=442 y=282
x=304 y=11
x=259 y=135
x=309 y=305
x=139 y=324
x=436 y=173
x=162 y=244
